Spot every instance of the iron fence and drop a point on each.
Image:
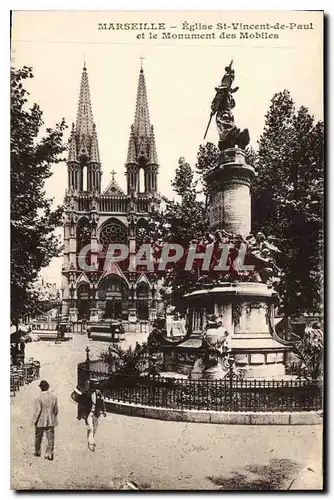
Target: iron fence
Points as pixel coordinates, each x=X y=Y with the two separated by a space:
x=229 y=394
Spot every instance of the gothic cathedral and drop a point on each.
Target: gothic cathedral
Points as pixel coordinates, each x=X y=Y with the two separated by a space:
x=95 y=219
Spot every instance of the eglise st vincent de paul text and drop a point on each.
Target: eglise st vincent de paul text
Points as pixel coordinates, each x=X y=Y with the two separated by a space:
x=230 y=30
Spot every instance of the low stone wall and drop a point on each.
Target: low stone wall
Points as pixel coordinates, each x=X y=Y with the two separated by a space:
x=216 y=417
x=210 y=416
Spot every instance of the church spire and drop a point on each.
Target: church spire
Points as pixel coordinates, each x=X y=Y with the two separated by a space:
x=84 y=125
x=94 y=150
x=131 y=158
x=142 y=152
x=142 y=116
x=72 y=150
x=83 y=146
x=153 y=157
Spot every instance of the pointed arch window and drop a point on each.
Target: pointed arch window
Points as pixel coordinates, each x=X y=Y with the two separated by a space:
x=84 y=178
x=83 y=233
x=141 y=180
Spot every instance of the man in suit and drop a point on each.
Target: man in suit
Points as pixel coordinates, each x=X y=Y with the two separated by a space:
x=90 y=407
x=45 y=420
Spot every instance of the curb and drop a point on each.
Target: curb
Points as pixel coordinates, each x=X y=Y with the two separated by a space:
x=216 y=417
x=211 y=417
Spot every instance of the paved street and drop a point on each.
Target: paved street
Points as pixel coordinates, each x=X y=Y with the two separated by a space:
x=151 y=454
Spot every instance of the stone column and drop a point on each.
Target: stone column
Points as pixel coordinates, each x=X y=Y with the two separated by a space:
x=229 y=198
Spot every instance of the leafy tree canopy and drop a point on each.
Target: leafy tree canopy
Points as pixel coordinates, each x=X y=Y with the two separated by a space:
x=180 y=222
x=33 y=243
x=288 y=199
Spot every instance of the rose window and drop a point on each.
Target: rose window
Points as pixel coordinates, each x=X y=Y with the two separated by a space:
x=112 y=233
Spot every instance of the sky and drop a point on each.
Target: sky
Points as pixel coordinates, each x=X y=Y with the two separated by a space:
x=180 y=77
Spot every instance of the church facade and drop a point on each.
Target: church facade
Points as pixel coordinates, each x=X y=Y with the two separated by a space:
x=103 y=290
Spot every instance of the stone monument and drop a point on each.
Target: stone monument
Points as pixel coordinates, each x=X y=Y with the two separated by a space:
x=239 y=301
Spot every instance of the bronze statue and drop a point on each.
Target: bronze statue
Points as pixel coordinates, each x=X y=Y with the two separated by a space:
x=221 y=106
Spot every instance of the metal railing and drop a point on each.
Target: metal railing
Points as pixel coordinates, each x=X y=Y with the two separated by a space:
x=228 y=394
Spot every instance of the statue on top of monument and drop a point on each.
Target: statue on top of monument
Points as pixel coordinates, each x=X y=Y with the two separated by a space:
x=221 y=106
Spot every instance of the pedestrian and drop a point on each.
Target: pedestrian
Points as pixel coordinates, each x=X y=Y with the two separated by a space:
x=91 y=405
x=45 y=420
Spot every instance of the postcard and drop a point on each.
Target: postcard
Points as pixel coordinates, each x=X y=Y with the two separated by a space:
x=167 y=241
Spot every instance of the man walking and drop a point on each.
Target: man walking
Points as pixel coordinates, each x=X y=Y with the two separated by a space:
x=90 y=407
x=45 y=420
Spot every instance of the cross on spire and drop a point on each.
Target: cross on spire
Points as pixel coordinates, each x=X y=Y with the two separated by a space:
x=141 y=61
x=113 y=173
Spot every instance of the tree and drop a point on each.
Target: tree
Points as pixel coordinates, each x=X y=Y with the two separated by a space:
x=288 y=200
x=207 y=158
x=180 y=222
x=33 y=243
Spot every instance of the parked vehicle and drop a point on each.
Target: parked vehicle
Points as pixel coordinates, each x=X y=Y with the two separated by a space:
x=112 y=332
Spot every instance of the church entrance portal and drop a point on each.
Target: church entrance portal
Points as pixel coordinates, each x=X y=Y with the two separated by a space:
x=142 y=302
x=113 y=309
x=113 y=292
x=83 y=302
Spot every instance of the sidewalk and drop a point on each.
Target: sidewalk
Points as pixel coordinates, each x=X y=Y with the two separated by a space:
x=150 y=454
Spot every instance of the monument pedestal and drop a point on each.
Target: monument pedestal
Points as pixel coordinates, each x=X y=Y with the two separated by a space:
x=247 y=312
x=214 y=373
